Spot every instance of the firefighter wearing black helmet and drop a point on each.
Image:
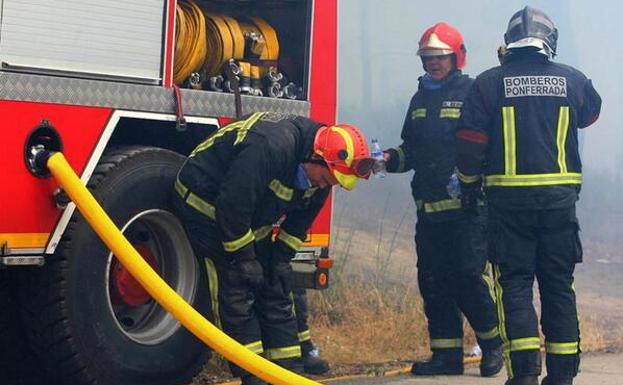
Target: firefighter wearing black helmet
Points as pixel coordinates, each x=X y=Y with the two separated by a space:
x=452 y=268
x=519 y=129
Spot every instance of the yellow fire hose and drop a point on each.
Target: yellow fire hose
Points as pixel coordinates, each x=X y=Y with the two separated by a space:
x=158 y=288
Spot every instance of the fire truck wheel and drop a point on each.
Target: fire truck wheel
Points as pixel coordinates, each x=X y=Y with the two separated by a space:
x=89 y=320
x=18 y=365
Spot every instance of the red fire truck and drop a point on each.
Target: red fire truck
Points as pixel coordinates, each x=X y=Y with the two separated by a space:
x=110 y=84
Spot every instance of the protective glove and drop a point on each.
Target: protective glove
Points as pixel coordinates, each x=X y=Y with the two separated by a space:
x=251 y=272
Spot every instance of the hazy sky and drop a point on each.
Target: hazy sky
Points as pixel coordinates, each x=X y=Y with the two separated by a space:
x=378 y=68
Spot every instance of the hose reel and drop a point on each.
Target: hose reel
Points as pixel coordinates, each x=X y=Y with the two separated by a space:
x=206 y=42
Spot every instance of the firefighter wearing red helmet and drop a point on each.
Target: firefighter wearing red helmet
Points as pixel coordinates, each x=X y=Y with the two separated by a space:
x=450 y=240
x=519 y=135
x=231 y=190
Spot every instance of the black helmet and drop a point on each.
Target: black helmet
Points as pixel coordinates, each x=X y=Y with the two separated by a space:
x=531 y=27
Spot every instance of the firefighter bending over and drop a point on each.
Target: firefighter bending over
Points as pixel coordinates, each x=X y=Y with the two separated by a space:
x=519 y=128
x=232 y=189
x=453 y=273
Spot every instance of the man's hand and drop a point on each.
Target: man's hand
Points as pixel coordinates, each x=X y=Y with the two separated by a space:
x=251 y=272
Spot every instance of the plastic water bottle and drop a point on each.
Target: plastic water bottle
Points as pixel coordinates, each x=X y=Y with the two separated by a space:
x=377 y=154
x=454 y=186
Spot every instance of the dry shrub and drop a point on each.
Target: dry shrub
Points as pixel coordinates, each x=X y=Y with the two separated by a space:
x=360 y=323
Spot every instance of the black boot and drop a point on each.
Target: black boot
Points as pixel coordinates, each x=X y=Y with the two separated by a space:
x=446 y=361
x=312 y=363
x=551 y=381
x=491 y=362
x=524 y=380
x=561 y=369
x=251 y=380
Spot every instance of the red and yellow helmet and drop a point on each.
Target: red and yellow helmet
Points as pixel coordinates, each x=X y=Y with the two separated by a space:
x=443 y=39
x=344 y=149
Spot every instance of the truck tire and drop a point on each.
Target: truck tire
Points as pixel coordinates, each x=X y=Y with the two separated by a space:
x=86 y=317
x=18 y=365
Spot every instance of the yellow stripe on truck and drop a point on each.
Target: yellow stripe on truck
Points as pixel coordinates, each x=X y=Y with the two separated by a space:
x=24 y=240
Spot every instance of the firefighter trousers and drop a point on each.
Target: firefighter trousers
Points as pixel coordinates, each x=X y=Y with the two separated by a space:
x=302 y=313
x=261 y=319
x=544 y=244
x=454 y=279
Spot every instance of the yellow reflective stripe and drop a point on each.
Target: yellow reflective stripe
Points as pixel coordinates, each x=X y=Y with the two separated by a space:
x=180 y=188
x=195 y=201
x=239 y=243
x=304 y=336
x=444 y=205
x=310 y=192
x=262 y=232
x=533 y=179
x=527 y=343
x=454 y=113
x=418 y=113
x=561 y=137
x=401 y=159
x=510 y=144
x=419 y=204
x=350 y=146
x=446 y=343
x=284 y=193
x=561 y=347
x=248 y=123
x=213 y=285
x=202 y=206
x=290 y=240
x=256 y=347
x=210 y=141
x=486 y=276
x=468 y=178
x=283 y=353
x=502 y=320
x=24 y=240
x=488 y=335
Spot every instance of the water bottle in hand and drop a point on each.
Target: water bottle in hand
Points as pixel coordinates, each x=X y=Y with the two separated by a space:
x=454 y=186
x=377 y=154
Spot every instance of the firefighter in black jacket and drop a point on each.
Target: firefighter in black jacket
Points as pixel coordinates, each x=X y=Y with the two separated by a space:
x=453 y=273
x=519 y=129
x=232 y=189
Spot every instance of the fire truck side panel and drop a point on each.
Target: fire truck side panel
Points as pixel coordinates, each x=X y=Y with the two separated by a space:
x=323 y=94
x=114 y=38
x=28 y=211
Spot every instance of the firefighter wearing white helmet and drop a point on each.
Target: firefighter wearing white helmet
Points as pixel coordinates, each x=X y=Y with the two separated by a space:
x=450 y=241
x=519 y=129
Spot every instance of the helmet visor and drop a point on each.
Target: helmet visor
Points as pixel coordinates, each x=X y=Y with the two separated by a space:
x=347 y=181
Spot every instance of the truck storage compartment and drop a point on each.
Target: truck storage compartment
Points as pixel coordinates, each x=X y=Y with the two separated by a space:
x=267 y=40
x=266 y=43
x=116 y=38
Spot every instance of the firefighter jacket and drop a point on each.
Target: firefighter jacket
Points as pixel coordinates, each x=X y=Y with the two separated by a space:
x=429 y=145
x=240 y=179
x=519 y=127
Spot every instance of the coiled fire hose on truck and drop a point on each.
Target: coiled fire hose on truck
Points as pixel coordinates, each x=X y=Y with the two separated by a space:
x=190 y=42
x=205 y=41
x=154 y=285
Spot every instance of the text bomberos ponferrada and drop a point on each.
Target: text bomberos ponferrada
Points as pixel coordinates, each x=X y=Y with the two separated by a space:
x=518 y=86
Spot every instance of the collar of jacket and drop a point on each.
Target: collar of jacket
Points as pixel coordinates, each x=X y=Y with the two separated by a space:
x=308 y=129
x=443 y=82
x=525 y=56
